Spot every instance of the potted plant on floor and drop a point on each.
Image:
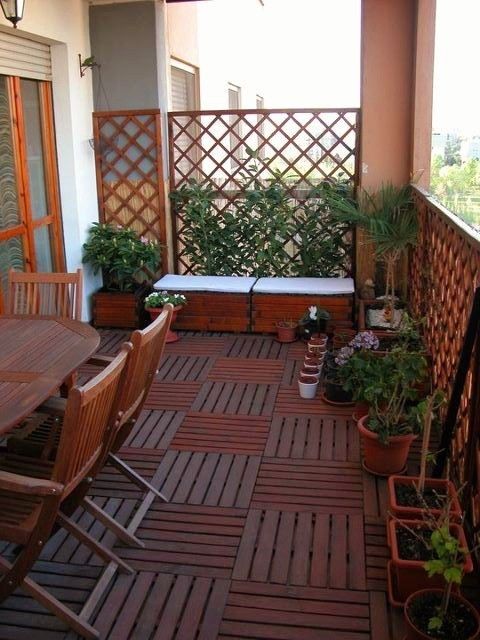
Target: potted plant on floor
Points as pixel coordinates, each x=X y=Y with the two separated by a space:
x=314 y=322
x=409 y=497
x=440 y=613
x=155 y=302
x=390 y=386
x=124 y=260
x=390 y=223
x=286 y=331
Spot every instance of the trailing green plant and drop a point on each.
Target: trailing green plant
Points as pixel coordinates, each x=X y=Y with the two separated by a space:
x=390 y=221
x=121 y=256
x=323 y=240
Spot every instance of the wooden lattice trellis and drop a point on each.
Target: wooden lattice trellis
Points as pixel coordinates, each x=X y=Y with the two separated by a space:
x=304 y=146
x=128 y=158
x=445 y=270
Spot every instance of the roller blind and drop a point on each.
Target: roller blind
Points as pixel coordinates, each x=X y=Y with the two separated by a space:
x=24 y=57
x=183 y=90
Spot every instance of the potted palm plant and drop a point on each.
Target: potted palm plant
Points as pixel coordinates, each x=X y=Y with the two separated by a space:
x=390 y=223
x=124 y=260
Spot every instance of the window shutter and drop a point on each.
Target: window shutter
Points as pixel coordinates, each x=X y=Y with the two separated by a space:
x=24 y=57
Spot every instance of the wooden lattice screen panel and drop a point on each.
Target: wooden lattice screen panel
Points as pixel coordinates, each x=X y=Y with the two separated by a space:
x=305 y=146
x=128 y=159
x=445 y=270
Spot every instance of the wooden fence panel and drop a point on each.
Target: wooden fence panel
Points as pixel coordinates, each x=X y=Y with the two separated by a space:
x=304 y=146
x=445 y=270
x=128 y=160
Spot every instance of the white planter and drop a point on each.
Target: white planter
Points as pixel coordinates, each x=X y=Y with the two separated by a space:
x=315 y=373
x=307 y=389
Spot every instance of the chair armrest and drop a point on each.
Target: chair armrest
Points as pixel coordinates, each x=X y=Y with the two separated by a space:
x=25 y=484
x=100 y=361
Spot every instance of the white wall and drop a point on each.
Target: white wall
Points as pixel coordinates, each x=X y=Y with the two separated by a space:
x=65 y=22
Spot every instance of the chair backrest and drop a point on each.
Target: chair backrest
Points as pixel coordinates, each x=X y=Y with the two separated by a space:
x=92 y=412
x=48 y=294
x=148 y=345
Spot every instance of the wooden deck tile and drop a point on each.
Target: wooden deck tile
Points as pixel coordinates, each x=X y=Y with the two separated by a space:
x=247 y=370
x=111 y=341
x=289 y=401
x=184 y=368
x=154 y=429
x=254 y=347
x=159 y=606
x=377 y=553
x=230 y=398
x=309 y=549
x=277 y=612
x=213 y=479
x=172 y=395
x=301 y=485
x=21 y=618
x=328 y=437
x=195 y=345
x=185 y=539
x=111 y=483
x=215 y=432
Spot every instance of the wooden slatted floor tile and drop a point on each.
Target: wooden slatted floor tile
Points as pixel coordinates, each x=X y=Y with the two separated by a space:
x=111 y=483
x=22 y=618
x=328 y=437
x=182 y=368
x=186 y=539
x=172 y=395
x=213 y=479
x=252 y=346
x=259 y=370
x=111 y=341
x=230 y=398
x=196 y=345
x=377 y=553
x=159 y=606
x=215 y=432
x=154 y=429
x=307 y=485
x=289 y=401
x=292 y=613
x=309 y=549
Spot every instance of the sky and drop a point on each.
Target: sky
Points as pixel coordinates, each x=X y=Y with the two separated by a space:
x=316 y=53
x=457 y=79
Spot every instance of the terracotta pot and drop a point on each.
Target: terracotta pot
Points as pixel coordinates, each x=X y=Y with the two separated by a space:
x=307 y=386
x=410 y=575
x=156 y=311
x=414 y=634
x=286 y=332
x=384 y=459
x=443 y=487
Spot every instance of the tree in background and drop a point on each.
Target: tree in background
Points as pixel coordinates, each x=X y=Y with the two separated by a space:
x=452 y=150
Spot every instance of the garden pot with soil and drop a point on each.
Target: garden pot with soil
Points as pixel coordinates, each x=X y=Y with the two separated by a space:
x=307 y=386
x=380 y=458
x=286 y=331
x=336 y=394
x=461 y=623
x=409 y=555
x=404 y=501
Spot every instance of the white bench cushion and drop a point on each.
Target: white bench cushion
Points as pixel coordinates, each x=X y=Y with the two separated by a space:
x=220 y=284
x=306 y=286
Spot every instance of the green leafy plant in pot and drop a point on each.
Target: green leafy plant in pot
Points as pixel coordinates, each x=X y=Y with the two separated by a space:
x=389 y=385
x=390 y=223
x=313 y=322
x=442 y=614
x=124 y=259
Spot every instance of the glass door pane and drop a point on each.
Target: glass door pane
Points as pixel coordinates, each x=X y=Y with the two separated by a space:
x=9 y=209
x=11 y=257
x=43 y=248
x=35 y=152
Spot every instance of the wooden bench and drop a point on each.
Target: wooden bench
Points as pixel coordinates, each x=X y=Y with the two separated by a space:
x=215 y=303
x=275 y=299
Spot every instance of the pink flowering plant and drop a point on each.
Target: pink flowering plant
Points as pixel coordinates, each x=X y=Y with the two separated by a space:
x=121 y=256
x=363 y=341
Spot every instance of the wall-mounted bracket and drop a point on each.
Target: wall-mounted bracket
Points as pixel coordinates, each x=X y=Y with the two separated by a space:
x=87 y=63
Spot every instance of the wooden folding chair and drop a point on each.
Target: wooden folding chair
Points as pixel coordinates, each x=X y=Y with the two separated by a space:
x=42 y=440
x=32 y=491
x=48 y=294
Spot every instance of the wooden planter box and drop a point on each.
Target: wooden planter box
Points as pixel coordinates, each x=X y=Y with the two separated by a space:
x=120 y=310
x=270 y=308
x=207 y=311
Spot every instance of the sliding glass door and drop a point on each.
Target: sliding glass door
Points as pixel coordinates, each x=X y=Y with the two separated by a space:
x=30 y=221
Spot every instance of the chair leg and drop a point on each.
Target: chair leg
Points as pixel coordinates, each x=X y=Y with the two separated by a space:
x=55 y=606
x=132 y=475
x=97 y=548
x=121 y=533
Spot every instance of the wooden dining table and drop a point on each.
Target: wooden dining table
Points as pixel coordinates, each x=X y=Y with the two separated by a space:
x=37 y=354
